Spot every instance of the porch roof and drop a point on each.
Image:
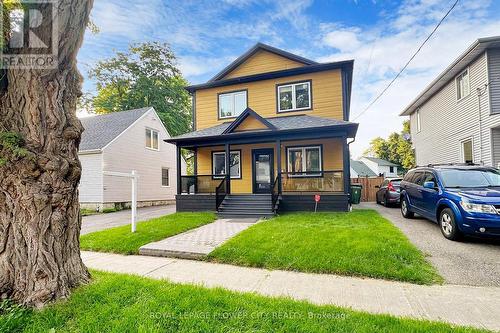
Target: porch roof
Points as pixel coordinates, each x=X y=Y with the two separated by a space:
x=282 y=126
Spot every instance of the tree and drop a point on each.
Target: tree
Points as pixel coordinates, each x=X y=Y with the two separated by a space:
x=396 y=149
x=146 y=75
x=39 y=170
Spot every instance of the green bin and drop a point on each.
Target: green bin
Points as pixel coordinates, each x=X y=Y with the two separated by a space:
x=356 y=193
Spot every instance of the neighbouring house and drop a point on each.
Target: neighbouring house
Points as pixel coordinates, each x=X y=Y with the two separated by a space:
x=122 y=142
x=380 y=167
x=271 y=132
x=359 y=169
x=456 y=119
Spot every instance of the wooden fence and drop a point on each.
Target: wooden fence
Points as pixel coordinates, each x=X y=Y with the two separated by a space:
x=369 y=191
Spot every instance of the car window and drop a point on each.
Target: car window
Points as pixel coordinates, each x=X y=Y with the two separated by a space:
x=418 y=178
x=408 y=176
x=429 y=177
x=456 y=178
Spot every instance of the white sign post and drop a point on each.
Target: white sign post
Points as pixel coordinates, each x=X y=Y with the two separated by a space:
x=133 y=176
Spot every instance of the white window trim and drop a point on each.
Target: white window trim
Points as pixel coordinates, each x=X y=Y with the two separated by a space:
x=214 y=176
x=456 y=84
x=304 y=161
x=153 y=130
x=462 y=153
x=168 y=172
x=232 y=93
x=419 y=121
x=294 y=100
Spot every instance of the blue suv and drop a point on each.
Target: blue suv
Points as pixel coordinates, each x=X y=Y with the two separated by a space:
x=462 y=199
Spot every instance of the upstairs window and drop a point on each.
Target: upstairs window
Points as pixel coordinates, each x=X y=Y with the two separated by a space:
x=151 y=139
x=294 y=96
x=232 y=104
x=463 y=88
x=304 y=161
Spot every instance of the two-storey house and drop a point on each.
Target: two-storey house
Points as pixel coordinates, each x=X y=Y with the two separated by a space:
x=271 y=133
x=456 y=119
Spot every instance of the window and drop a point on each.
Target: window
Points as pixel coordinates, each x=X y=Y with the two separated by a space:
x=419 y=123
x=296 y=96
x=219 y=164
x=304 y=161
x=151 y=139
x=165 y=181
x=232 y=104
x=391 y=169
x=429 y=177
x=418 y=178
x=467 y=151
x=462 y=82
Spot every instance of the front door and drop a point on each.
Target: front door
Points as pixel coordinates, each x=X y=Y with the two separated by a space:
x=262 y=170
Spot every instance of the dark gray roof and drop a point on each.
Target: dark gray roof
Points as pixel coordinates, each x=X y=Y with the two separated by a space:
x=362 y=169
x=281 y=123
x=380 y=161
x=101 y=130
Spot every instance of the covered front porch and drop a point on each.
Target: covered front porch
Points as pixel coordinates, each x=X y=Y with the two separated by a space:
x=286 y=167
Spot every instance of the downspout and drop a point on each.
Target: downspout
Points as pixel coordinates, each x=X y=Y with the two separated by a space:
x=480 y=92
x=349 y=169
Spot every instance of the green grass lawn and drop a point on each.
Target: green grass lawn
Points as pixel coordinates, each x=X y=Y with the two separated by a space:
x=359 y=243
x=121 y=240
x=124 y=303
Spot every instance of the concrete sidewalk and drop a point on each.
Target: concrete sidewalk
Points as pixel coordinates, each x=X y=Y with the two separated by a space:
x=197 y=242
x=460 y=305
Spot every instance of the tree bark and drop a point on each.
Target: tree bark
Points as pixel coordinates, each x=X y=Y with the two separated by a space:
x=39 y=210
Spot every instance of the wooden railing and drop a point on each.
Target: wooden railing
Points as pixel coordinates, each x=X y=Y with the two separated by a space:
x=220 y=193
x=313 y=181
x=205 y=184
x=275 y=192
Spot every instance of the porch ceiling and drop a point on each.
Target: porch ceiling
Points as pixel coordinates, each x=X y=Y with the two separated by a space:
x=288 y=126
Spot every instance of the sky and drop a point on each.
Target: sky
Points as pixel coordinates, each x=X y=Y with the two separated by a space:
x=380 y=35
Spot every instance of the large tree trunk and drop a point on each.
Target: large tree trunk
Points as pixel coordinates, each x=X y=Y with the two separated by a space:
x=39 y=210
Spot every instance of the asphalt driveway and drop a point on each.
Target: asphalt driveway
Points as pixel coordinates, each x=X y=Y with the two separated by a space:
x=105 y=221
x=470 y=262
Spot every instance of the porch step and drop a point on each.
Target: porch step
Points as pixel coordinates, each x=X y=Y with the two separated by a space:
x=246 y=205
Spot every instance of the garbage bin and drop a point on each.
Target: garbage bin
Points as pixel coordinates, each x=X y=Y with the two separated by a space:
x=356 y=193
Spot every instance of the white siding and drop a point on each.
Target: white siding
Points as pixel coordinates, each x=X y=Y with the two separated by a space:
x=494 y=76
x=128 y=152
x=445 y=122
x=90 y=187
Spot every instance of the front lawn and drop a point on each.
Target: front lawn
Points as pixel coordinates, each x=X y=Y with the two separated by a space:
x=125 y=303
x=359 y=243
x=122 y=240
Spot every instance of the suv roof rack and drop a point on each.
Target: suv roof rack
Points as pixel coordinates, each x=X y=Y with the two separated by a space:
x=447 y=164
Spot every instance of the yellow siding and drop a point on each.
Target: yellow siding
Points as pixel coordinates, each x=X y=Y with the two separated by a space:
x=326 y=98
x=262 y=62
x=250 y=123
x=332 y=159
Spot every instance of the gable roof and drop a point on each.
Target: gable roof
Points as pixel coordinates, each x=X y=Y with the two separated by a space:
x=456 y=67
x=287 y=123
x=380 y=161
x=362 y=169
x=248 y=112
x=101 y=130
x=257 y=47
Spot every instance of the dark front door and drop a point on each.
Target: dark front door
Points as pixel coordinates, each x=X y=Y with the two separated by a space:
x=262 y=170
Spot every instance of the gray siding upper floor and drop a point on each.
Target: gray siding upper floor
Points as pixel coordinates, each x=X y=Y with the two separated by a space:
x=446 y=122
x=494 y=76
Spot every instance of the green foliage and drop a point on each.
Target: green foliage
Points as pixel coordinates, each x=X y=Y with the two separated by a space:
x=122 y=240
x=127 y=303
x=359 y=243
x=396 y=149
x=12 y=147
x=88 y=212
x=146 y=75
x=12 y=315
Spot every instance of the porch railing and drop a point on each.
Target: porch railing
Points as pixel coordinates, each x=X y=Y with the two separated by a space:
x=275 y=192
x=220 y=194
x=200 y=184
x=313 y=181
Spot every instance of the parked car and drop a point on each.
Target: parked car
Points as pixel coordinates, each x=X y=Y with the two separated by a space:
x=463 y=200
x=388 y=192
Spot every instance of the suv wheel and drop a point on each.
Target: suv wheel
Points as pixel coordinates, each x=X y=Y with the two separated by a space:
x=405 y=209
x=448 y=225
